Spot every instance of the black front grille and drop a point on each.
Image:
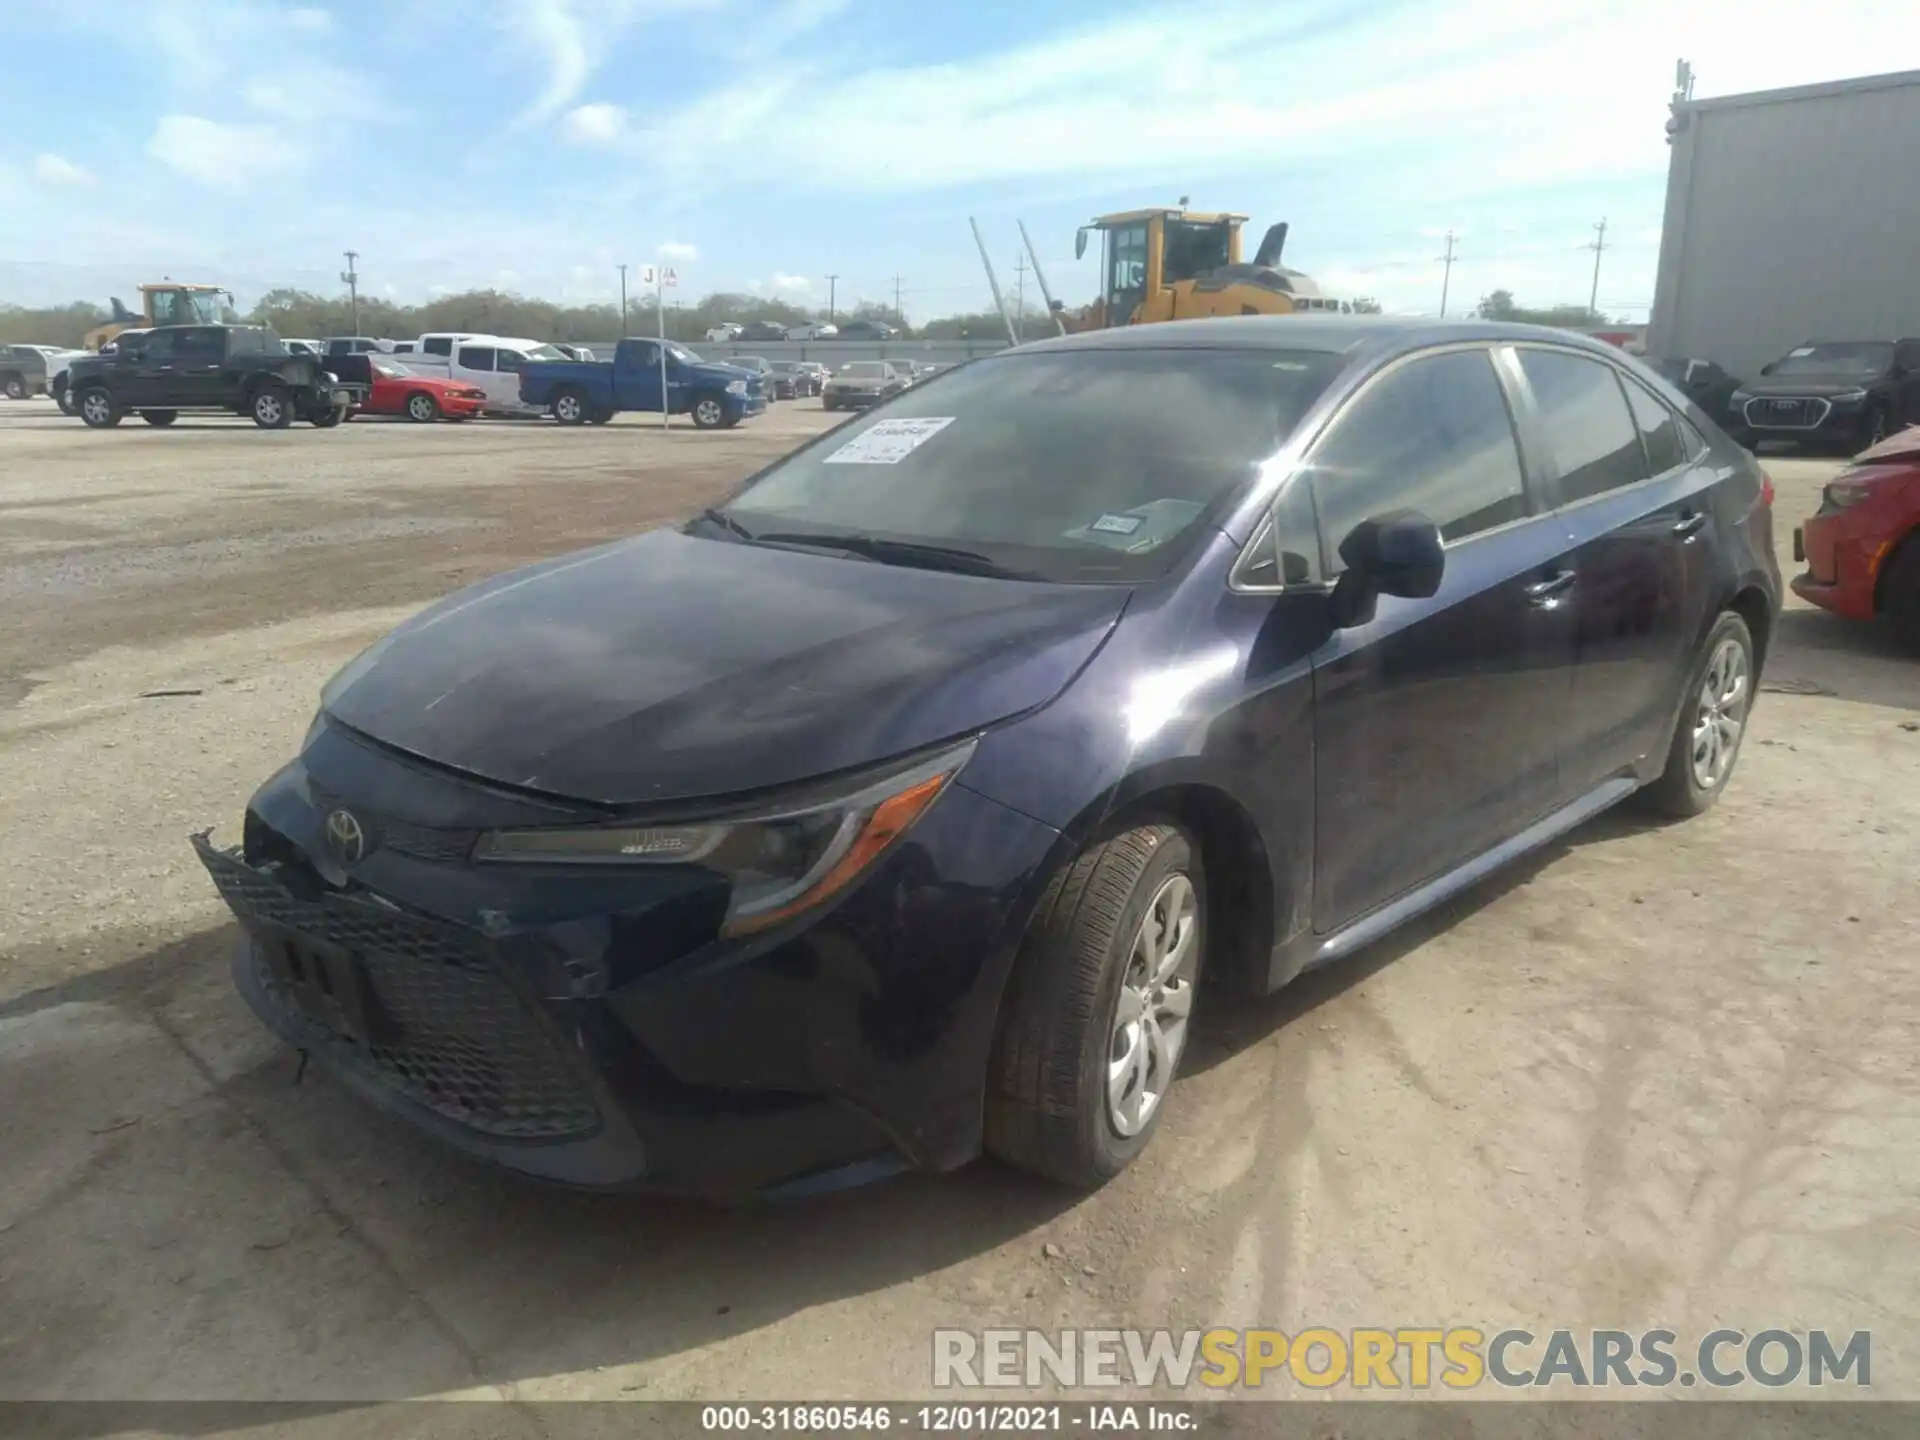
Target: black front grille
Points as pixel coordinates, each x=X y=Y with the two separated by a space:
x=1785 y=412
x=452 y=1033
x=423 y=842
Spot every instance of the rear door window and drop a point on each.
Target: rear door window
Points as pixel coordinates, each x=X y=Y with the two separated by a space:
x=1587 y=423
x=476 y=357
x=508 y=360
x=1659 y=430
x=1434 y=435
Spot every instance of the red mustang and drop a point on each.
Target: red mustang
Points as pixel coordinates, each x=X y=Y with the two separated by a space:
x=400 y=391
x=1862 y=550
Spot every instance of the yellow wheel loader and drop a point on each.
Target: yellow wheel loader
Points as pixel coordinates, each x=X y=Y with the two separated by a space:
x=166 y=302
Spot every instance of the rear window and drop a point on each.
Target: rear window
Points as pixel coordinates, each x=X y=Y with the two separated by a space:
x=1659 y=431
x=438 y=345
x=1593 y=435
x=476 y=357
x=866 y=370
x=1080 y=466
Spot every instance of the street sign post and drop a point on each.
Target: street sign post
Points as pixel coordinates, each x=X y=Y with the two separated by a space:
x=666 y=277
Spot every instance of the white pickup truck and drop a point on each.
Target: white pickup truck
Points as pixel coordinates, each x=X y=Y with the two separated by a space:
x=488 y=362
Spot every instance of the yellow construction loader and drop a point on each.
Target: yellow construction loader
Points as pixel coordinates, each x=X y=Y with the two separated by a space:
x=166 y=302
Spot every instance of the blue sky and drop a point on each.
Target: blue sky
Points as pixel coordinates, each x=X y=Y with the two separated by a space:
x=765 y=144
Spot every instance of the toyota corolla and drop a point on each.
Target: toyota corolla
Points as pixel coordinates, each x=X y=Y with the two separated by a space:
x=900 y=806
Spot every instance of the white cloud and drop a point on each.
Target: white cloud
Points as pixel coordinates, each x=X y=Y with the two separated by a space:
x=791 y=285
x=227 y=157
x=596 y=124
x=679 y=252
x=549 y=28
x=60 y=172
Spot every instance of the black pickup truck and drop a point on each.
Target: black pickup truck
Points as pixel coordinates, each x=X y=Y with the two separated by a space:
x=242 y=369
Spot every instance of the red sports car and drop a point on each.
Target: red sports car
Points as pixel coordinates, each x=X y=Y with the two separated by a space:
x=1862 y=549
x=400 y=391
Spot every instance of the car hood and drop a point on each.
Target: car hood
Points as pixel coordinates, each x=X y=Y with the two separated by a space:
x=669 y=667
x=1813 y=385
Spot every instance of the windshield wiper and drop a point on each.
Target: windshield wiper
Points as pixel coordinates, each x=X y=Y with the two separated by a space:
x=725 y=522
x=907 y=552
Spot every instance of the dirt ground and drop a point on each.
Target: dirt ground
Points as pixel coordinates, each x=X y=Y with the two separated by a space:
x=1658 y=1076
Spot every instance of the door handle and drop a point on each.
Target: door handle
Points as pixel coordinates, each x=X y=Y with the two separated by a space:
x=1690 y=525
x=1546 y=592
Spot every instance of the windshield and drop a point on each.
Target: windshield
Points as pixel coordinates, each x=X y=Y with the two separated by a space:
x=547 y=352
x=784 y=367
x=1862 y=357
x=1078 y=466
x=391 y=370
x=865 y=370
x=682 y=354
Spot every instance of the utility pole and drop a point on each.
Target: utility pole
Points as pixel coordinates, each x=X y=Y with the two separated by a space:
x=1020 y=297
x=353 y=289
x=623 y=302
x=1596 y=245
x=1446 y=275
x=899 y=315
x=832 y=281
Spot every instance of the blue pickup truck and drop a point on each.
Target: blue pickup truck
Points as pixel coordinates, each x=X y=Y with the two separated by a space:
x=579 y=392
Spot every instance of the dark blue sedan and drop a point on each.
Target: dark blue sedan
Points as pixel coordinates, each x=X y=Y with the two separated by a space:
x=900 y=807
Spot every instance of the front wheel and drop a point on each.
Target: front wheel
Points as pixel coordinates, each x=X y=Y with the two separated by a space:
x=1098 y=1009
x=14 y=387
x=709 y=412
x=271 y=407
x=422 y=408
x=1713 y=721
x=160 y=418
x=98 y=407
x=327 y=419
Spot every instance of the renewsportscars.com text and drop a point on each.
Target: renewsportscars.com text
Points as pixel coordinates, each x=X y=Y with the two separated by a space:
x=1411 y=1358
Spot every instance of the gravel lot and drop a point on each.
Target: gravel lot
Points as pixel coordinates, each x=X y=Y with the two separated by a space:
x=1657 y=1076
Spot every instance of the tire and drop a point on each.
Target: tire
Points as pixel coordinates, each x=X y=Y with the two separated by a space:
x=1899 y=593
x=65 y=401
x=422 y=408
x=98 y=408
x=1686 y=788
x=160 y=418
x=13 y=387
x=327 y=419
x=601 y=417
x=271 y=407
x=570 y=407
x=709 y=412
x=1049 y=1109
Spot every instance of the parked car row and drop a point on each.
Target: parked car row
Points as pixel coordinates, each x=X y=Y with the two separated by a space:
x=729 y=331
x=30 y=370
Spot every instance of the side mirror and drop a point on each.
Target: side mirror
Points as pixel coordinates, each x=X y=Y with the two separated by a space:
x=1399 y=553
x=1767 y=369
x=1080 y=243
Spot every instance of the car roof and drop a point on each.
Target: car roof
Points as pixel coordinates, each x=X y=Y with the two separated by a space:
x=1316 y=330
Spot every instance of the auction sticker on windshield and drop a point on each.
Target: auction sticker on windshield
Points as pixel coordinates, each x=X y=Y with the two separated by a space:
x=889 y=442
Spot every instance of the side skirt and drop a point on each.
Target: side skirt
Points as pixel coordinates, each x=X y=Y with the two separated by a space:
x=1308 y=951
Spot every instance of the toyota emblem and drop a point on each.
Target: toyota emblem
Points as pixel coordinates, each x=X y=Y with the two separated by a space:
x=345 y=838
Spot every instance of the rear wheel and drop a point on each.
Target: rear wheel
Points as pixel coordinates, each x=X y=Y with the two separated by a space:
x=98 y=407
x=1097 y=1012
x=709 y=412
x=161 y=418
x=570 y=407
x=327 y=419
x=1900 y=593
x=14 y=387
x=1713 y=721
x=601 y=417
x=422 y=408
x=271 y=407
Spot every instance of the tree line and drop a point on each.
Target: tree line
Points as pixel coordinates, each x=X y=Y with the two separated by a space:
x=498 y=312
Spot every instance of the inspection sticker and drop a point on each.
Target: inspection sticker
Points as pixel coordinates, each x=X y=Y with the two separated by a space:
x=1118 y=524
x=1804 y=350
x=889 y=442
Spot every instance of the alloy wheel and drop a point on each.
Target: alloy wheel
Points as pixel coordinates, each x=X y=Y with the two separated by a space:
x=1721 y=714
x=95 y=407
x=707 y=412
x=420 y=408
x=1151 y=1011
x=266 y=409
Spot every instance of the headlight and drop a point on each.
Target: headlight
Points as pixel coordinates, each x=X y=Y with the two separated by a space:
x=1846 y=396
x=736 y=387
x=1843 y=492
x=778 y=862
